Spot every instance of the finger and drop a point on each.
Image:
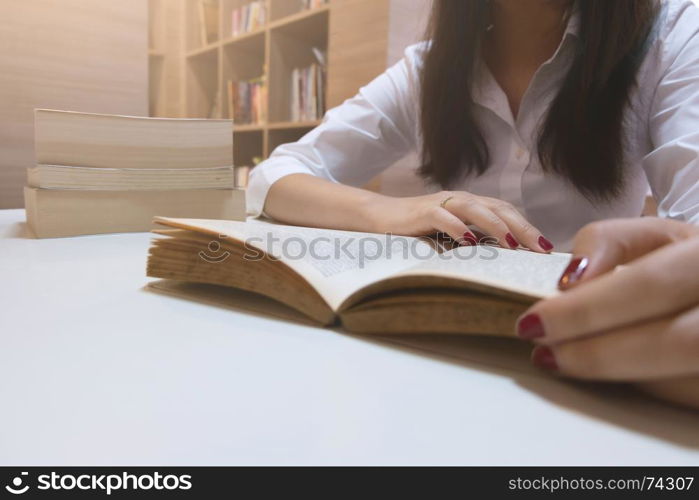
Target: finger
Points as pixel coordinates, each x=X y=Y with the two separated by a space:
x=661 y=283
x=525 y=233
x=472 y=210
x=659 y=349
x=446 y=222
x=601 y=246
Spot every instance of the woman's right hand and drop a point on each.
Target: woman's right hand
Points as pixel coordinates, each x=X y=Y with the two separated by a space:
x=424 y=215
x=639 y=323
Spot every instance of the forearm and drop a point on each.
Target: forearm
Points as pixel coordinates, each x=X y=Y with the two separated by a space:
x=306 y=200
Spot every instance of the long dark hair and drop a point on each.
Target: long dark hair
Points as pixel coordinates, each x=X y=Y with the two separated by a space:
x=582 y=135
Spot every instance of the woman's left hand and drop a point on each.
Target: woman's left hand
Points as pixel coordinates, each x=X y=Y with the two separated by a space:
x=638 y=323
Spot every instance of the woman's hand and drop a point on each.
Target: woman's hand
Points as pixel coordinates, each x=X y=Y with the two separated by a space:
x=451 y=212
x=307 y=200
x=638 y=323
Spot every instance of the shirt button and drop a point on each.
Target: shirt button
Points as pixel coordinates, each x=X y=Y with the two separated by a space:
x=520 y=153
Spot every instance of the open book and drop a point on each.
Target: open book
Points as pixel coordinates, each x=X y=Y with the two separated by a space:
x=370 y=283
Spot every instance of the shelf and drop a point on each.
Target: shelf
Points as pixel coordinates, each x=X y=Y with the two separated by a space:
x=271 y=51
x=304 y=14
x=241 y=61
x=301 y=16
x=293 y=125
x=191 y=80
x=244 y=37
x=291 y=46
x=202 y=85
x=204 y=25
x=203 y=50
x=307 y=15
x=248 y=128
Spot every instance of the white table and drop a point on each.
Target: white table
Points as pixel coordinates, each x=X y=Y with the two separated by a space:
x=98 y=371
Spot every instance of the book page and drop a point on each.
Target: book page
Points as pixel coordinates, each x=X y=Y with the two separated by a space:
x=335 y=263
x=521 y=272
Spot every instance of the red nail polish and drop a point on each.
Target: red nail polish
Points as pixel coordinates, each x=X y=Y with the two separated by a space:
x=511 y=241
x=574 y=271
x=470 y=239
x=543 y=357
x=545 y=244
x=530 y=327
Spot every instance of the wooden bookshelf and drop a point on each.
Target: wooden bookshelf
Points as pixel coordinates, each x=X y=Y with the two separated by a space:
x=164 y=58
x=272 y=51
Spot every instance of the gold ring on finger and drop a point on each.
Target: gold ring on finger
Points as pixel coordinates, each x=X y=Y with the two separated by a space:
x=445 y=201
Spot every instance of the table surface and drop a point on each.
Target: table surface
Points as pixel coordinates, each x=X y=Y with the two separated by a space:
x=99 y=371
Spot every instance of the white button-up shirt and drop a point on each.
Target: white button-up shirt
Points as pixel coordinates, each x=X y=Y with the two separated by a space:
x=366 y=134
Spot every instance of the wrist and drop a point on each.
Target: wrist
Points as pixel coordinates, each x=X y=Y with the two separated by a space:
x=373 y=212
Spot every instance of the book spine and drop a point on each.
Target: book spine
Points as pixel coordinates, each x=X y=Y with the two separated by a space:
x=295 y=95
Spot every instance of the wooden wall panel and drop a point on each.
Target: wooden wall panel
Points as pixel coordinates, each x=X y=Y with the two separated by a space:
x=358 y=41
x=366 y=37
x=83 y=55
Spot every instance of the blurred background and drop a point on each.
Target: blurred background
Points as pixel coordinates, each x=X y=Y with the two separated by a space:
x=274 y=66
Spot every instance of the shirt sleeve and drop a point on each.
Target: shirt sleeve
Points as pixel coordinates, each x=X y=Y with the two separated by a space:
x=356 y=140
x=672 y=167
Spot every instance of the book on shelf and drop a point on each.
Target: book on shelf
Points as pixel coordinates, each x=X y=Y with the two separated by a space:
x=242 y=175
x=247 y=101
x=208 y=21
x=314 y=4
x=249 y=17
x=100 y=173
x=308 y=90
x=368 y=283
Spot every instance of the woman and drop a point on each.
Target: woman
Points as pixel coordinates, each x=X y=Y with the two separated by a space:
x=639 y=323
x=534 y=118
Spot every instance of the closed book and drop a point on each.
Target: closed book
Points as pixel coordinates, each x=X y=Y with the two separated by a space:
x=113 y=141
x=55 y=213
x=129 y=179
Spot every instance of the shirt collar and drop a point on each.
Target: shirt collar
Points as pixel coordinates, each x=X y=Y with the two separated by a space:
x=487 y=92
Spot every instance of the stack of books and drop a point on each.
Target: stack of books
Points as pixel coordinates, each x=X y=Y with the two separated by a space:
x=247 y=101
x=107 y=173
x=308 y=90
x=248 y=18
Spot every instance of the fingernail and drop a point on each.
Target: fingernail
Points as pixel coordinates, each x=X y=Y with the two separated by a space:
x=530 y=327
x=470 y=239
x=511 y=240
x=543 y=357
x=545 y=244
x=574 y=271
